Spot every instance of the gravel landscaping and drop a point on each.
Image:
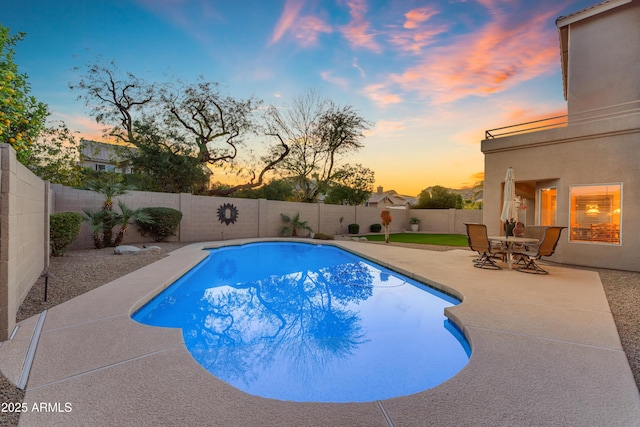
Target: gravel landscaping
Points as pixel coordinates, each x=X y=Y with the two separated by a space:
x=83 y=270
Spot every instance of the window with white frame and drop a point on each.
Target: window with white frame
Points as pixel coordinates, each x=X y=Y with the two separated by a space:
x=595 y=213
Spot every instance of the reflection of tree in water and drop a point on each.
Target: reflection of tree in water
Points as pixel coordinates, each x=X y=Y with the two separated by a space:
x=303 y=317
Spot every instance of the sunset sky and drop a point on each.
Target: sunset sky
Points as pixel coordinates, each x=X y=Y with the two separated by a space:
x=431 y=75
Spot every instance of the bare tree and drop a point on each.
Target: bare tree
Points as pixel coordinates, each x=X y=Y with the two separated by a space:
x=318 y=132
x=112 y=101
x=218 y=125
x=187 y=115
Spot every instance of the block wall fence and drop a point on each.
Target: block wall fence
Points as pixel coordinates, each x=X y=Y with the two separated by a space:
x=26 y=203
x=255 y=218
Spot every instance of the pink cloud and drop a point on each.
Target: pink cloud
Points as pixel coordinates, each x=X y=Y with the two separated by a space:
x=418 y=16
x=287 y=19
x=417 y=32
x=498 y=56
x=386 y=127
x=328 y=76
x=357 y=30
x=415 y=41
x=380 y=95
x=307 y=30
x=478 y=176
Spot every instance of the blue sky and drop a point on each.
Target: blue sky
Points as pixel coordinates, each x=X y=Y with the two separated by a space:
x=431 y=75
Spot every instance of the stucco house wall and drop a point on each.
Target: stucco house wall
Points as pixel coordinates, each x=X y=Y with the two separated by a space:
x=604 y=57
x=605 y=151
x=600 y=60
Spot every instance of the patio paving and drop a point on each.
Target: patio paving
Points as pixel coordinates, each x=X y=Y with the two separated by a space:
x=545 y=352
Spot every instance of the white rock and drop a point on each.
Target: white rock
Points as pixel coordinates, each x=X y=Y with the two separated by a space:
x=126 y=249
x=134 y=250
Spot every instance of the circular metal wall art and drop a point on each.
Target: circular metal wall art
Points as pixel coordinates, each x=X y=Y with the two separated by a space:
x=227 y=214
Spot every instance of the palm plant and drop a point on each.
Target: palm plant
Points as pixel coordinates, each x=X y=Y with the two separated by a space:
x=109 y=187
x=292 y=225
x=128 y=215
x=96 y=221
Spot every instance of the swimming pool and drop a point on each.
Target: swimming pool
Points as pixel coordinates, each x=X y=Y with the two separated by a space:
x=311 y=323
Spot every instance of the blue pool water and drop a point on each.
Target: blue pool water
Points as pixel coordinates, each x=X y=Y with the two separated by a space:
x=311 y=323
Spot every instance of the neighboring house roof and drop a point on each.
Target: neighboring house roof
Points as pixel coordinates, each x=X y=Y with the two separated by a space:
x=391 y=198
x=99 y=151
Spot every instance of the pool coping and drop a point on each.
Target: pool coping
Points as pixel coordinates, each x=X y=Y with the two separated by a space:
x=545 y=351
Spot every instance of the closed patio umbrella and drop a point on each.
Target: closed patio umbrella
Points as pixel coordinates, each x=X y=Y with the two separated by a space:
x=509 y=209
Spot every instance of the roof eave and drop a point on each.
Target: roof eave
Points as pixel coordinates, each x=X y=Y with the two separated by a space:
x=564 y=21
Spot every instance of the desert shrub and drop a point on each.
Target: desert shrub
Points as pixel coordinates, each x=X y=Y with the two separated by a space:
x=164 y=223
x=322 y=236
x=63 y=230
x=375 y=228
x=353 y=228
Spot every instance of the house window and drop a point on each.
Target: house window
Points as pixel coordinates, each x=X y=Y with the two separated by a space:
x=595 y=214
x=105 y=168
x=548 y=205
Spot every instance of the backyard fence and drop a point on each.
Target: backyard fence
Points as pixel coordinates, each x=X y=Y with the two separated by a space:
x=24 y=234
x=208 y=218
x=26 y=203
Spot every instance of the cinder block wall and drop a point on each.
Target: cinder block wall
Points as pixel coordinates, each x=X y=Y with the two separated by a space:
x=255 y=218
x=24 y=235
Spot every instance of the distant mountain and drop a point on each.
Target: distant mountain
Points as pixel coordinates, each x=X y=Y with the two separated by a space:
x=466 y=193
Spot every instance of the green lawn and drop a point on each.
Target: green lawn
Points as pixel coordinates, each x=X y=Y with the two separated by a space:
x=425 y=239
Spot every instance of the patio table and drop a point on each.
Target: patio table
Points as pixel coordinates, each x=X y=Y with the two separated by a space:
x=510 y=240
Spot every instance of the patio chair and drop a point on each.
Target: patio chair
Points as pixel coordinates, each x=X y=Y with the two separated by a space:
x=547 y=247
x=479 y=242
x=532 y=232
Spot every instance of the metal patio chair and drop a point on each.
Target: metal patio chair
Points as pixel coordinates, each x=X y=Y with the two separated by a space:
x=479 y=242
x=546 y=247
x=532 y=232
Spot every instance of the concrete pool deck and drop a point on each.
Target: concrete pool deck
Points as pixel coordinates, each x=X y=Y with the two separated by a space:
x=545 y=352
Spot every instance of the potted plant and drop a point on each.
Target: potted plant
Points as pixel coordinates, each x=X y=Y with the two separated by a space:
x=508 y=227
x=414 y=223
